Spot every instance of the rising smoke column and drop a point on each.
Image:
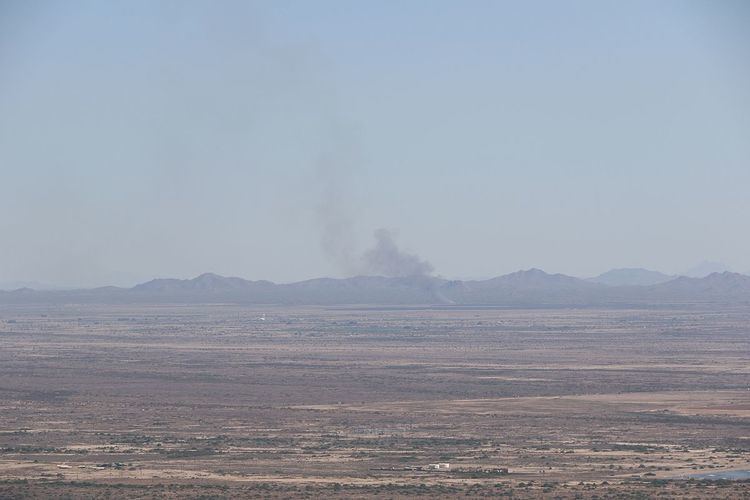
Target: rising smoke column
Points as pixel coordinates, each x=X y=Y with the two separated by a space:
x=338 y=210
x=385 y=258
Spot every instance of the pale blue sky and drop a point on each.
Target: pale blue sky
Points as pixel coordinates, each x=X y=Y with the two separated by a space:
x=143 y=139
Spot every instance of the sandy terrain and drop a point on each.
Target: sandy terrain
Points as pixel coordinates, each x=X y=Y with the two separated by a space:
x=276 y=402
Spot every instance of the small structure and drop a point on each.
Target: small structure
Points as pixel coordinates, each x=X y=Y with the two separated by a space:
x=439 y=466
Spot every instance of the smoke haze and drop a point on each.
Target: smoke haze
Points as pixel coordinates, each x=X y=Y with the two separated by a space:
x=385 y=258
x=269 y=140
x=337 y=218
x=335 y=215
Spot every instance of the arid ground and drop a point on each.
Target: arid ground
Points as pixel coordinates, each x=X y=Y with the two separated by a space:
x=230 y=401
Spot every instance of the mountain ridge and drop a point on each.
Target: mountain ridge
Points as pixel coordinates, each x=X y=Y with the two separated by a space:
x=631 y=276
x=532 y=287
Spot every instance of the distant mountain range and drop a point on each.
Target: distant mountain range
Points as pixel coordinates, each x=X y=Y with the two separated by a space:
x=14 y=285
x=530 y=288
x=705 y=268
x=631 y=277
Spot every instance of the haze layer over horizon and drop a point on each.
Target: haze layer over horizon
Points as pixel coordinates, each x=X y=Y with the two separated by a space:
x=291 y=140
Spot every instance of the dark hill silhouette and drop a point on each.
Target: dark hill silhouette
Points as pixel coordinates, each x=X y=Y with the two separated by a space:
x=631 y=277
x=530 y=288
x=703 y=269
x=207 y=283
x=726 y=285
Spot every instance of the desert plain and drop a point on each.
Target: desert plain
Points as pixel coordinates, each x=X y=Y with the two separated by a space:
x=227 y=401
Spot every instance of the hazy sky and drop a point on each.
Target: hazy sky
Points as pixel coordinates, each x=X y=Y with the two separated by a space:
x=145 y=139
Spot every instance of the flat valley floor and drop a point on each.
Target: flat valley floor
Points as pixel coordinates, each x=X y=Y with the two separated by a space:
x=219 y=401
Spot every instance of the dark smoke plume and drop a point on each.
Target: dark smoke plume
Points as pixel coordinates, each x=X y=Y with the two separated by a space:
x=386 y=259
x=337 y=212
